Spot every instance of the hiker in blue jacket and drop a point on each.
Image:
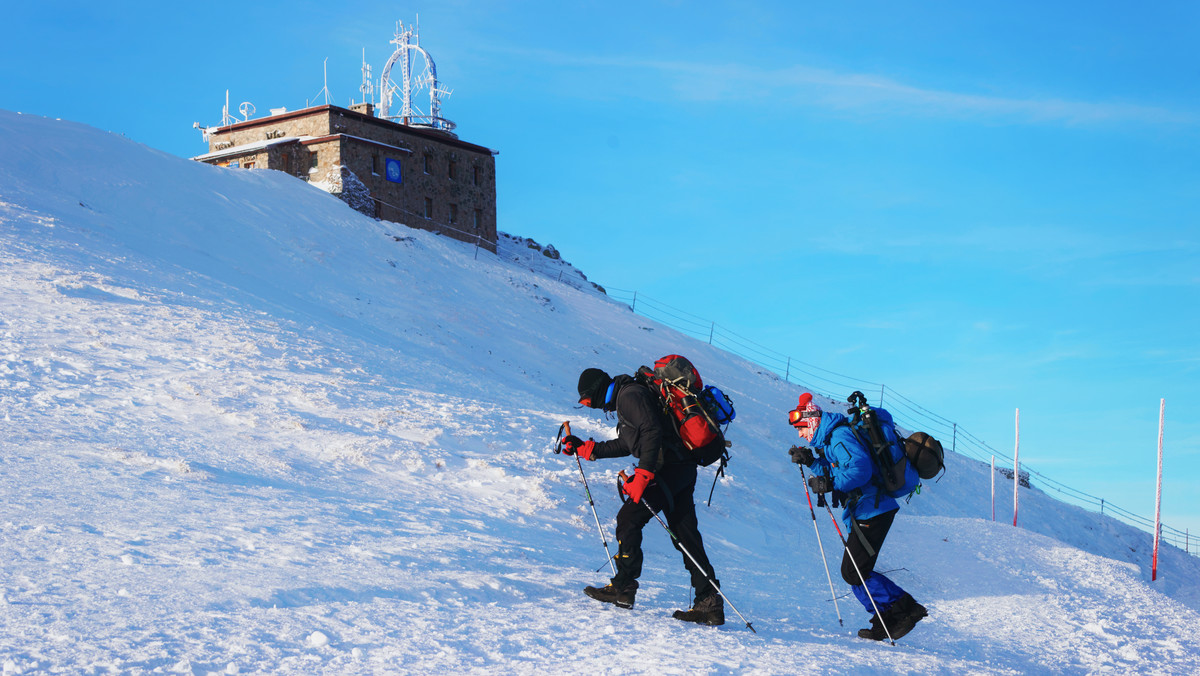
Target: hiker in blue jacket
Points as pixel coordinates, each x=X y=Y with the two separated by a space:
x=842 y=466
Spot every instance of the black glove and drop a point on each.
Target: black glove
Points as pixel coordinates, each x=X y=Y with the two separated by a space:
x=571 y=443
x=801 y=455
x=821 y=484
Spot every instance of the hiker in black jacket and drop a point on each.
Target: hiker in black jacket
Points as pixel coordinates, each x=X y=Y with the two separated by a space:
x=665 y=479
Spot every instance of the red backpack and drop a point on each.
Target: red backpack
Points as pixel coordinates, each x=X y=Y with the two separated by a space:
x=683 y=395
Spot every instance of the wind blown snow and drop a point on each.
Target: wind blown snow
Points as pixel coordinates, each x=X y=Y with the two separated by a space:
x=244 y=428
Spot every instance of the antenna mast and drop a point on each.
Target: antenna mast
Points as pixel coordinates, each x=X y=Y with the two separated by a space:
x=226 y=118
x=408 y=47
x=325 y=89
x=368 y=86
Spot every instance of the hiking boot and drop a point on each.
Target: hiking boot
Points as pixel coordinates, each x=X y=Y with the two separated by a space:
x=709 y=610
x=905 y=616
x=900 y=617
x=622 y=598
x=875 y=632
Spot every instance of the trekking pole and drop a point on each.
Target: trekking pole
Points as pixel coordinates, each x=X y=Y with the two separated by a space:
x=586 y=489
x=858 y=570
x=625 y=478
x=824 y=561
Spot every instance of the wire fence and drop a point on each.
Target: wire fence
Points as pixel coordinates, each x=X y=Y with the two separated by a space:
x=907 y=413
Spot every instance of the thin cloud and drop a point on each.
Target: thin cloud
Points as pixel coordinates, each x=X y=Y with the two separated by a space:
x=805 y=85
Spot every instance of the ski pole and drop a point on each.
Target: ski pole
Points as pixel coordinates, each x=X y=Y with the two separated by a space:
x=824 y=561
x=858 y=570
x=625 y=478
x=587 y=489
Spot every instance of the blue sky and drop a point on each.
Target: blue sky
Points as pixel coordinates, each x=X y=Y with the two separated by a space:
x=985 y=206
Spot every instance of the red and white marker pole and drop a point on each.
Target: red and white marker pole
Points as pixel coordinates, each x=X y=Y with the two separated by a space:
x=1162 y=409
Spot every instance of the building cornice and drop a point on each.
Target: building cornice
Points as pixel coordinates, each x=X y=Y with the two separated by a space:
x=346 y=112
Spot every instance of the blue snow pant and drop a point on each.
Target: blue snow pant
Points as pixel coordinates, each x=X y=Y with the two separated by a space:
x=862 y=547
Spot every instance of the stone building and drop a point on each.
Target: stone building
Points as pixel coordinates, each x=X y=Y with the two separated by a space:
x=419 y=176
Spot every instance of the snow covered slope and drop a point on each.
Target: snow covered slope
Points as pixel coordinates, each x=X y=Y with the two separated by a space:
x=245 y=429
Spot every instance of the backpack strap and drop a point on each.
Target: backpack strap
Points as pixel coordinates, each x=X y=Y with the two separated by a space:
x=862 y=538
x=841 y=423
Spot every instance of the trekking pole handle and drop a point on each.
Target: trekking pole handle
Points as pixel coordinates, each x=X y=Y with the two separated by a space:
x=558 y=441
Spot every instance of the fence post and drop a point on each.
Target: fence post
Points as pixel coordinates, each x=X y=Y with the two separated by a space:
x=881 y=389
x=954 y=439
x=1101 y=506
x=633 y=308
x=993 y=488
x=788 y=371
x=712 y=329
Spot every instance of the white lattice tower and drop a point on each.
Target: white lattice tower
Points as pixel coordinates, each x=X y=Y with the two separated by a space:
x=408 y=47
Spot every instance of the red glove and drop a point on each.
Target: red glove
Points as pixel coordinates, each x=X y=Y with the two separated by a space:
x=637 y=485
x=573 y=444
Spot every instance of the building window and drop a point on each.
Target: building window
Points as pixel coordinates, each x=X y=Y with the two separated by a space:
x=248 y=165
x=286 y=162
x=475 y=175
x=478 y=218
x=428 y=207
x=312 y=166
x=450 y=172
x=375 y=165
x=453 y=213
x=428 y=163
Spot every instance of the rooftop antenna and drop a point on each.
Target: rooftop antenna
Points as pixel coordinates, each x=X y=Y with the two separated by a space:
x=325 y=89
x=226 y=118
x=368 y=85
x=408 y=46
x=246 y=109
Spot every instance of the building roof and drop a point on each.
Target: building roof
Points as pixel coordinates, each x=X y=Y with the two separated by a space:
x=250 y=147
x=432 y=135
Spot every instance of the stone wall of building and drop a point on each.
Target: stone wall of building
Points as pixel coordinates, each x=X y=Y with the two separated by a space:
x=446 y=185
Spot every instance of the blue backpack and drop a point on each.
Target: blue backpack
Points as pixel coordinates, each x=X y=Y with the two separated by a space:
x=899 y=464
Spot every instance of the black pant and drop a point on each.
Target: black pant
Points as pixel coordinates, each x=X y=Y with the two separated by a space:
x=874 y=530
x=679 y=481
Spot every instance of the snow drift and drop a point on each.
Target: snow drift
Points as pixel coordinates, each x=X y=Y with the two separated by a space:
x=247 y=429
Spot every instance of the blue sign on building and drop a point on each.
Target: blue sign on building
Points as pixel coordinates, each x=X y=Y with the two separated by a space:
x=393 y=171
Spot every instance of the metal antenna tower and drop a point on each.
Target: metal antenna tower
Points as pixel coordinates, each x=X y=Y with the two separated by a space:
x=368 y=85
x=325 y=85
x=408 y=48
x=226 y=118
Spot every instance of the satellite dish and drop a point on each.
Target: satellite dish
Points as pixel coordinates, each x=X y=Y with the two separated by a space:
x=246 y=109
